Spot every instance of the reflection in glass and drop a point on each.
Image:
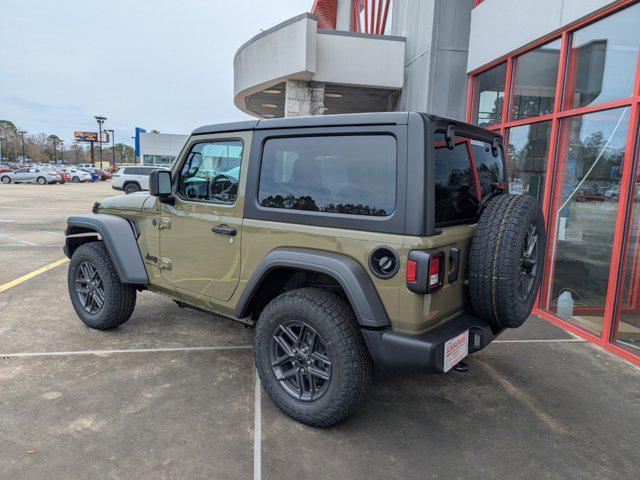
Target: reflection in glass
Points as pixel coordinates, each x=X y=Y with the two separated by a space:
x=583 y=215
x=535 y=80
x=627 y=328
x=489 y=87
x=527 y=159
x=602 y=60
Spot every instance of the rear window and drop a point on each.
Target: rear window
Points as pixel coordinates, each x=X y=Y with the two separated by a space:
x=456 y=189
x=352 y=175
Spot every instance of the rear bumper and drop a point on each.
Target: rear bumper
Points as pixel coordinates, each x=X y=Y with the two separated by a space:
x=402 y=351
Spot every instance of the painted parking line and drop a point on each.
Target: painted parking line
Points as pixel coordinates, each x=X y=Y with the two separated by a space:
x=19 y=240
x=128 y=350
x=30 y=275
x=549 y=340
x=257 y=430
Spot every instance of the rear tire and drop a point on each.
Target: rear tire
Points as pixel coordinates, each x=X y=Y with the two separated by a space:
x=506 y=260
x=105 y=303
x=75 y=179
x=131 y=187
x=330 y=359
x=41 y=181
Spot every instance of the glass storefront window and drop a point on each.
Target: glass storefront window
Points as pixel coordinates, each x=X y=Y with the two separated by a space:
x=602 y=60
x=536 y=75
x=627 y=327
x=589 y=163
x=528 y=148
x=489 y=95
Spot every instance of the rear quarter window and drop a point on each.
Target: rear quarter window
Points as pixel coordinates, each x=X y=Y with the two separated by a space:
x=343 y=174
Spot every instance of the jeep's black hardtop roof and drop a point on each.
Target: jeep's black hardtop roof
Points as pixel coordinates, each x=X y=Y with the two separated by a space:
x=372 y=118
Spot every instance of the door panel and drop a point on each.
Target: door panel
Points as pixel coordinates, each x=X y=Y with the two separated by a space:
x=195 y=258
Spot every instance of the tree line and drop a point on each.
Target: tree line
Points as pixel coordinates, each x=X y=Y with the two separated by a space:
x=48 y=148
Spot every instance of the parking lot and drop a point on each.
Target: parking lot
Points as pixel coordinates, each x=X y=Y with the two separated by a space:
x=172 y=393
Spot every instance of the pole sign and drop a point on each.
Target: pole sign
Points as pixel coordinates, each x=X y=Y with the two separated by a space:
x=91 y=137
x=85 y=136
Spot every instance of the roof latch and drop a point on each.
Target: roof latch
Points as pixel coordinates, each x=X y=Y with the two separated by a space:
x=494 y=147
x=449 y=137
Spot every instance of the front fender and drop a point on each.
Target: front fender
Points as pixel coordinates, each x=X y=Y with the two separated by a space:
x=119 y=238
x=349 y=274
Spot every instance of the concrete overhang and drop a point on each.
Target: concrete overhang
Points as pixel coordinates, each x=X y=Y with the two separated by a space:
x=297 y=50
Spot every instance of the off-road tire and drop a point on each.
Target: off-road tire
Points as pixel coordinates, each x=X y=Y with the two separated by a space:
x=119 y=298
x=496 y=260
x=41 y=181
x=6 y=179
x=131 y=187
x=333 y=319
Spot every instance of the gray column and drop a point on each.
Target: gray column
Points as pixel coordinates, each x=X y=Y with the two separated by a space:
x=303 y=98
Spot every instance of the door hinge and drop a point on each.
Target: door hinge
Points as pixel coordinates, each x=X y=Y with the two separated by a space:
x=165 y=263
x=164 y=223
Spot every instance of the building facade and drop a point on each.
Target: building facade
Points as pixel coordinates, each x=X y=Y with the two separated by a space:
x=559 y=79
x=160 y=148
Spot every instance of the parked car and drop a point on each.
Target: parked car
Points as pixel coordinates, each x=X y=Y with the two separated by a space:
x=77 y=175
x=31 y=175
x=63 y=175
x=133 y=179
x=356 y=240
x=94 y=175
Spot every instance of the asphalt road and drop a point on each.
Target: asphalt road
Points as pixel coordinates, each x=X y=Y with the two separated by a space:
x=172 y=393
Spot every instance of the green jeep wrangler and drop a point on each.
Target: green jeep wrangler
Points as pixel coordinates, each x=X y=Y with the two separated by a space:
x=344 y=240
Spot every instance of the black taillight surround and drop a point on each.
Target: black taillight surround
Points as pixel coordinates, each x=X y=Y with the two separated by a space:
x=423 y=265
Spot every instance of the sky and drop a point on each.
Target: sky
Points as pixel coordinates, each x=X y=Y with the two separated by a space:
x=156 y=64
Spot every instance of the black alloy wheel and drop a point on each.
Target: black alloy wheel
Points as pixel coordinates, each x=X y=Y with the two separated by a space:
x=299 y=361
x=528 y=263
x=89 y=287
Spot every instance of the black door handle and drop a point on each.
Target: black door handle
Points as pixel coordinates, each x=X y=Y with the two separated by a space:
x=224 y=230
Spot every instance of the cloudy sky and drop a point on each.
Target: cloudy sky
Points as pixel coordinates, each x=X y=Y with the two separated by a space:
x=157 y=64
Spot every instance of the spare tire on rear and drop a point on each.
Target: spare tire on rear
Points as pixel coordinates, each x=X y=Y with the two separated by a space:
x=506 y=260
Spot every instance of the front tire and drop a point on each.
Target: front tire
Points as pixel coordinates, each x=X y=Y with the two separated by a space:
x=99 y=298
x=131 y=188
x=311 y=357
x=6 y=179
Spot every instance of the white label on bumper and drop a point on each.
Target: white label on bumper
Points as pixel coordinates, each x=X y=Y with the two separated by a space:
x=455 y=350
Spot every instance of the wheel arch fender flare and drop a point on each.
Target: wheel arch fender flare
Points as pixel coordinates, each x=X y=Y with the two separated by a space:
x=119 y=238
x=345 y=270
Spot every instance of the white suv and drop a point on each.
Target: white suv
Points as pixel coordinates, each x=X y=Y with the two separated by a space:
x=132 y=179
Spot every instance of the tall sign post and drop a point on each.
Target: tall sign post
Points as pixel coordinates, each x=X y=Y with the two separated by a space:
x=100 y=121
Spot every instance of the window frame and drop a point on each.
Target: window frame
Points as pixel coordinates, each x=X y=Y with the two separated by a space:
x=607 y=339
x=184 y=156
x=393 y=223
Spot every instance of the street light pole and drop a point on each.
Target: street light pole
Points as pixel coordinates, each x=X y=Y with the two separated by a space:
x=61 y=151
x=24 y=157
x=113 y=147
x=100 y=121
x=53 y=139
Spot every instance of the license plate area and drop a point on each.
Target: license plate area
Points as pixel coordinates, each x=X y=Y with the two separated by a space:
x=455 y=349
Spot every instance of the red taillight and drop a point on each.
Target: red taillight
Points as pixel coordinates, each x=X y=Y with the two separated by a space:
x=412 y=268
x=425 y=271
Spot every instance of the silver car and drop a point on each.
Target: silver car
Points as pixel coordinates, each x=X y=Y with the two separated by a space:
x=31 y=175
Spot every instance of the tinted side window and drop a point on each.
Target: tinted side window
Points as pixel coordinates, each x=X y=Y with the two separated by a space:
x=130 y=171
x=353 y=175
x=456 y=193
x=211 y=172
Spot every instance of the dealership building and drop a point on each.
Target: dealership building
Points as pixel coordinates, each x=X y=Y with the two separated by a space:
x=559 y=79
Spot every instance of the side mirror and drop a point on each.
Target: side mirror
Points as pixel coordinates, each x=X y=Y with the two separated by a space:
x=160 y=185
